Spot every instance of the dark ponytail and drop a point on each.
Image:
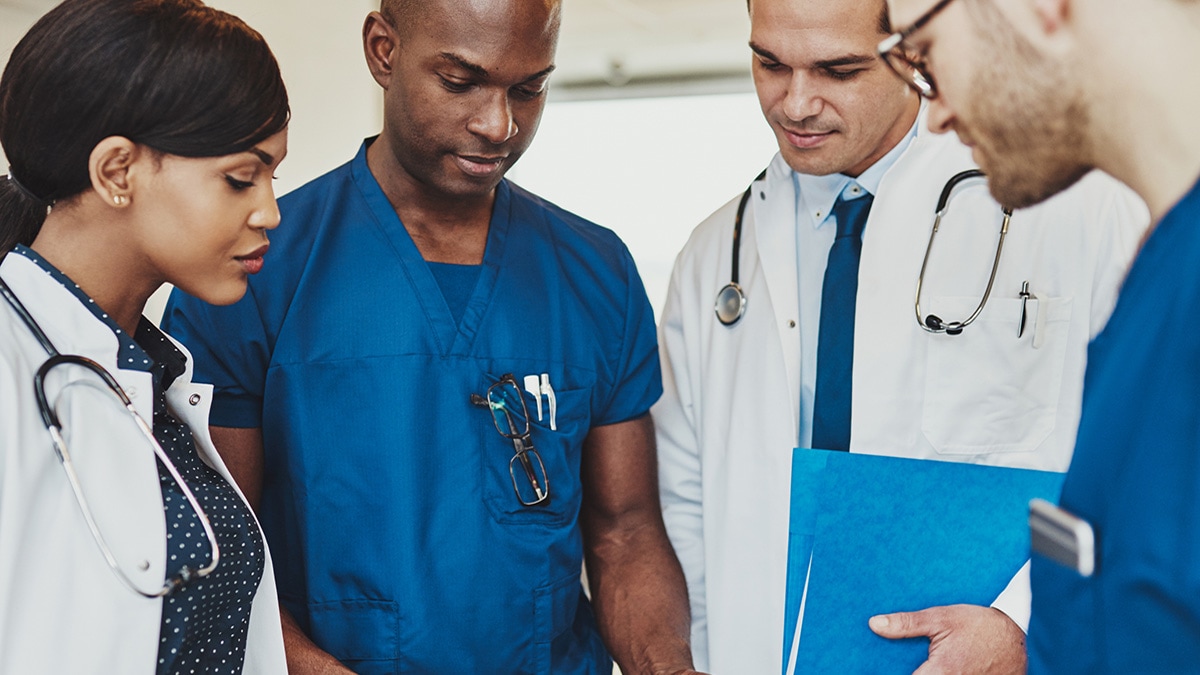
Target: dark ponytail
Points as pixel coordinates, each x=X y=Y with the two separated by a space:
x=21 y=215
x=175 y=75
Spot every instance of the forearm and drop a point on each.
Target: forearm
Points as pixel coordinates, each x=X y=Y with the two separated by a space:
x=640 y=598
x=303 y=656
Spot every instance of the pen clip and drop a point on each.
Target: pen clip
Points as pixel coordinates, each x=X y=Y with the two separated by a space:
x=1025 y=296
x=549 y=393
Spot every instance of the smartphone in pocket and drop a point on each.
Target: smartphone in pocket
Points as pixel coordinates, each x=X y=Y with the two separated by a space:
x=1062 y=537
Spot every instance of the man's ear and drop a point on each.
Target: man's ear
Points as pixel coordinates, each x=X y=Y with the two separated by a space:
x=109 y=168
x=379 y=43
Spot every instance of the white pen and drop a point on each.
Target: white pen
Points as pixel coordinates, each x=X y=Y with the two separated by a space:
x=531 y=386
x=549 y=393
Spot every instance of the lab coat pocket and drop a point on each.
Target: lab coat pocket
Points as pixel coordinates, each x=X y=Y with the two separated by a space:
x=988 y=390
x=558 y=450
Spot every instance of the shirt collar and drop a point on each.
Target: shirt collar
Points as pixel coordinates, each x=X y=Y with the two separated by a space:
x=815 y=195
x=132 y=355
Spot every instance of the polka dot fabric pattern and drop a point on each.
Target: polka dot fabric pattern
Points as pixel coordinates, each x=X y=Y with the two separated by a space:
x=204 y=623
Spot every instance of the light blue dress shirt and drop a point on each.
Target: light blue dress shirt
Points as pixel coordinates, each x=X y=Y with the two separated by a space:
x=815 y=230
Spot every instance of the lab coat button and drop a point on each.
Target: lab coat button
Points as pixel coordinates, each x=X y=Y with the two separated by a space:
x=791 y=324
x=144 y=565
x=194 y=399
x=131 y=392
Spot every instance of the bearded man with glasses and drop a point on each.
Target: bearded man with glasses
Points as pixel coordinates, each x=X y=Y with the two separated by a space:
x=1048 y=91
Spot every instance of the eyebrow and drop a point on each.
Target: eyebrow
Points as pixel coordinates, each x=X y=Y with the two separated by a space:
x=265 y=157
x=480 y=71
x=848 y=60
x=765 y=53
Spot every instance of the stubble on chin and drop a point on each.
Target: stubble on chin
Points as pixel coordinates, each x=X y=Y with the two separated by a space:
x=1031 y=122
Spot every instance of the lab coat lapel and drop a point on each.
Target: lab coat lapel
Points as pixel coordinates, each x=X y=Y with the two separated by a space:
x=773 y=229
x=73 y=329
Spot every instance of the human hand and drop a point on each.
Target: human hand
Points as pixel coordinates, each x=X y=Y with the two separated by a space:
x=962 y=638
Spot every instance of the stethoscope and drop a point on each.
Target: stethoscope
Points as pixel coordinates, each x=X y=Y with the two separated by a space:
x=731 y=299
x=933 y=323
x=53 y=425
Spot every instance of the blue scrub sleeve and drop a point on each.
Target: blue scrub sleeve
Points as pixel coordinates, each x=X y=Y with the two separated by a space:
x=229 y=346
x=637 y=384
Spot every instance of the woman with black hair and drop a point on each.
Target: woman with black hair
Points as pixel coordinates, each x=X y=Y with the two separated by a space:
x=141 y=137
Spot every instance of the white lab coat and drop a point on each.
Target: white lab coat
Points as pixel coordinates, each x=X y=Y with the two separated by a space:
x=728 y=419
x=62 y=609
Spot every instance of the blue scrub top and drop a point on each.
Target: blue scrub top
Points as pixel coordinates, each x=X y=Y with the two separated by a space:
x=399 y=542
x=1135 y=477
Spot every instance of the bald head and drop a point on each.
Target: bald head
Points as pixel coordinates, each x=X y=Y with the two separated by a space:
x=464 y=88
x=885 y=21
x=403 y=14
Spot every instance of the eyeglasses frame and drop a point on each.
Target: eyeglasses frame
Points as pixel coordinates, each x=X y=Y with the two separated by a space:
x=888 y=46
x=523 y=448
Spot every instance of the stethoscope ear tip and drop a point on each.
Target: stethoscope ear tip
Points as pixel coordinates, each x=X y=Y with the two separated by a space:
x=935 y=324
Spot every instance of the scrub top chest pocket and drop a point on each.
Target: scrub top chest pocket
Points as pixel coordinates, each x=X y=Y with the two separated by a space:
x=990 y=391
x=531 y=433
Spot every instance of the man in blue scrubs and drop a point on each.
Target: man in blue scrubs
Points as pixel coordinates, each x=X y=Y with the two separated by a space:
x=1046 y=90
x=418 y=527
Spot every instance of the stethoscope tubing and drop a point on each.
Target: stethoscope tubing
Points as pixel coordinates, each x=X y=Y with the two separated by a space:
x=54 y=427
x=730 y=304
x=932 y=323
x=731 y=293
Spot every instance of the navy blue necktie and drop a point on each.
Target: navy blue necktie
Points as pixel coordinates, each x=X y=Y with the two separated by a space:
x=835 y=345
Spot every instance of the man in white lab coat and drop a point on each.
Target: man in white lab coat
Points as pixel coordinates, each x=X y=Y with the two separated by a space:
x=738 y=398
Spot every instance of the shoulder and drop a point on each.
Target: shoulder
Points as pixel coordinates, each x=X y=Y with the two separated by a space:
x=310 y=203
x=575 y=239
x=1099 y=205
x=311 y=216
x=561 y=222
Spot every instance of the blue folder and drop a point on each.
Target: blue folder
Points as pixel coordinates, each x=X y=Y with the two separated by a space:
x=888 y=534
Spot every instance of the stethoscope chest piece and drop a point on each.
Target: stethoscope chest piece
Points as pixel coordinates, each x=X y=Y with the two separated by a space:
x=730 y=305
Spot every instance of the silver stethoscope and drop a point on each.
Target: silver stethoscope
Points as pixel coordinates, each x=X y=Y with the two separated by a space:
x=731 y=299
x=50 y=419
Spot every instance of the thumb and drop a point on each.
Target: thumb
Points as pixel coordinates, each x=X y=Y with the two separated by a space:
x=901 y=624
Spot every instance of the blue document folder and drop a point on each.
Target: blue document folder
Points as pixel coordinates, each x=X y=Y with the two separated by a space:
x=887 y=534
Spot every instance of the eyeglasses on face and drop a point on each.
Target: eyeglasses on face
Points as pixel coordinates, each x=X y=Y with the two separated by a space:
x=909 y=64
x=511 y=417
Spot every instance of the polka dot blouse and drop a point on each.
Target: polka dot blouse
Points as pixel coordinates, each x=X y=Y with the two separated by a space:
x=205 y=622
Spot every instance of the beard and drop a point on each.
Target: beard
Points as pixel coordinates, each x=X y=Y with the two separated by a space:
x=1029 y=121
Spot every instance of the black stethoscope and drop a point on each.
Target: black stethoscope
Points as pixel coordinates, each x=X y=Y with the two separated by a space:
x=731 y=299
x=54 y=426
x=933 y=323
